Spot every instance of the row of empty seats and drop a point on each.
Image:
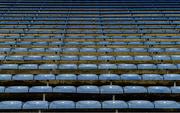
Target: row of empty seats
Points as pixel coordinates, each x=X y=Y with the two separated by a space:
x=106 y=89
x=73 y=57
x=90 y=49
x=90 y=104
x=89 y=77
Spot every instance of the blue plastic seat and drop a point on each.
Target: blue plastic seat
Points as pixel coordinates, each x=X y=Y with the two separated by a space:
x=124 y=58
x=2 y=57
x=14 y=58
x=175 y=57
x=158 y=89
x=35 y=104
x=54 y=50
x=107 y=66
x=175 y=89
x=135 y=43
x=121 y=50
x=10 y=105
x=62 y=104
x=88 y=57
x=88 y=104
x=67 y=66
x=70 y=50
x=9 y=66
x=130 y=77
x=147 y=66
x=138 y=50
x=171 y=76
x=66 y=77
x=87 y=89
x=44 y=77
x=140 y=104
x=142 y=57
x=40 y=43
x=87 y=77
x=2 y=89
x=111 y=89
x=135 y=89
x=106 y=58
x=118 y=37
x=172 y=50
x=114 y=104
x=28 y=66
x=109 y=77
x=105 y=50
x=161 y=57
x=166 y=66
x=17 y=89
x=127 y=66
x=19 y=50
x=23 y=77
x=32 y=57
x=152 y=77
x=40 y=89
x=87 y=50
x=166 y=104
x=51 y=58
x=5 y=49
x=48 y=66
x=36 y=50
x=5 y=76
x=64 y=89
x=87 y=66
x=69 y=58
x=57 y=43
x=155 y=50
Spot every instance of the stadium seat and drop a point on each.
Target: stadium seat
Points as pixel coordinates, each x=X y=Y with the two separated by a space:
x=28 y=66
x=48 y=66
x=135 y=89
x=166 y=104
x=5 y=77
x=152 y=77
x=127 y=66
x=109 y=77
x=114 y=104
x=88 y=104
x=67 y=66
x=44 y=77
x=35 y=104
x=17 y=89
x=62 y=104
x=171 y=76
x=87 y=66
x=88 y=89
x=23 y=77
x=130 y=77
x=10 y=105
x=87 y=77
x=140 y=104
x=40 y=89
x=64 y=89
x=158 y=89
x=111 y=89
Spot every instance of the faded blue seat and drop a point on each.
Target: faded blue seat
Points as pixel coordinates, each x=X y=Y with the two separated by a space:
x=135 y=43
x=2 y=89
x=142 y=57
x=161 y=57
x=166 y=104
x=19 y=50
x=171 y=76
x=88 y=104
x=17 y=89
x=118 y=37
x=135 y=89
x=67 y=66
x=36 y=50
x=40 y=89
x=87 y=89
x=178 y=66
x=14 y=58
x=9 y=66
x=5 y=49
x=127 y=66
x=70 y=49
x=111 y=89
x=64 y=89
x=130 y=77
x=109 y=77
x=87 y=66
x=87 y=43
x=87 y=77
x=35 y=104
x=158 y=89
x=88 y=57
x=48 y=66
x=114 y=104
x=166 y=66
x=106 y=58
x=69 y=57
x=175 y=89
x=54 y=50
x=51 y=58
x=105 y=50
x=138 y=50
x=40 y=43
x=152 y=77
x=10 y=105
x=28 y=66
x=121 y=50
x=2 y=57
x=175 y=57
x=107 y=66
x=23 y=77
x=167 y=43
x=124 y=58
x=66 y=77
x=62 y=104
x=140 y=104
x=172 y=50
x=119 y=43
x=155 y=50
x=5 y=76
x=147 y=66
x=44 y=77
x=32 y=57
x=56 y=43
x=87 y=50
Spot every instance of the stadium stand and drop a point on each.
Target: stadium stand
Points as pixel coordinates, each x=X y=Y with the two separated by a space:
x=90 y=55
